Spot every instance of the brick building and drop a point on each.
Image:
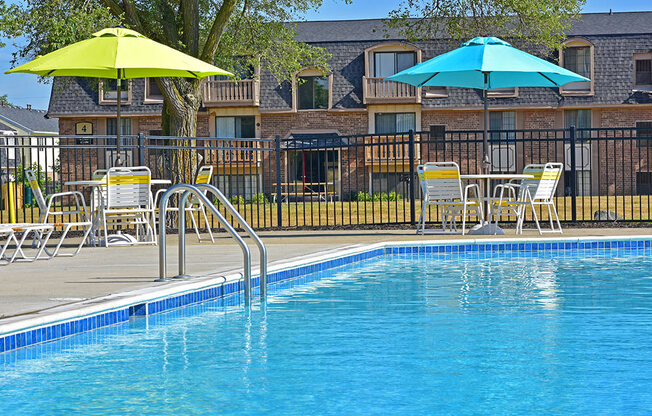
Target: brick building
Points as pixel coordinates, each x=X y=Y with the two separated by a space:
x=614 y=50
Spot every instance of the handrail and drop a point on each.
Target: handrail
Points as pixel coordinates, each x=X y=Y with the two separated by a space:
x=250 y=232
x=163 y=205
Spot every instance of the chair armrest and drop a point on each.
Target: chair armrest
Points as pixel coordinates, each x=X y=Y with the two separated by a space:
x=80 y=203
x=476 y=189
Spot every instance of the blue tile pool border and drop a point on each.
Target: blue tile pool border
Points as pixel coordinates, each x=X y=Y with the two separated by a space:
x=58 y=330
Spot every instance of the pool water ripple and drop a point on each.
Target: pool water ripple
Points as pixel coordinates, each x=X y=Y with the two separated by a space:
x=399 y=334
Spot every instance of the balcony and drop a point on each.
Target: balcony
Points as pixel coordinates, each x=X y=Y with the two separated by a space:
x=228 y=93
x=378 y=91
x=233 y=156
x=389 y=151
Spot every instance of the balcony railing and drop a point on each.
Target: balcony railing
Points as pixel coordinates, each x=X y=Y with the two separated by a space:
x=229 y=93
x=389 y=150
x=378 y=91
x=234 y=152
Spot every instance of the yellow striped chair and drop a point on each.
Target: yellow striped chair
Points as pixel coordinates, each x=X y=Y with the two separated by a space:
x=204 y=175
x=441 y=186
x=129 y=202
x=59 y=209
x=512 y=199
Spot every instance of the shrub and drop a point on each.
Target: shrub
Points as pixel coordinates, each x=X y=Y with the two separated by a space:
x=362 y=196
x=237 y=200
x=260 y=198
x=394 y=196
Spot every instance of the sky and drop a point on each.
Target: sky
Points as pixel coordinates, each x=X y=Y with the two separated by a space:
x=23 y=89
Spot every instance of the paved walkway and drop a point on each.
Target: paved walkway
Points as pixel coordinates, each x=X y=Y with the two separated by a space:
x=31 y=287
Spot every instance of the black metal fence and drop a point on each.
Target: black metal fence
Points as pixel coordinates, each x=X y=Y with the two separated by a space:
x=339 y=181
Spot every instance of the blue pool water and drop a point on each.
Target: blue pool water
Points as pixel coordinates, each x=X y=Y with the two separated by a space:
x=401 y=334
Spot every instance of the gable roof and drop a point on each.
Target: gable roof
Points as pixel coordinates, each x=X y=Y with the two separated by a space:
x=619 y=23
x=32 y=121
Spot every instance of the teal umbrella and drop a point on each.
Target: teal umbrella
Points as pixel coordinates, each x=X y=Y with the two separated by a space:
x=486 y=63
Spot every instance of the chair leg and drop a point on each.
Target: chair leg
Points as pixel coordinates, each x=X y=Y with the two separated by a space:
x=195 y=225
x=421 y=216
x=554 y=209
x=534 y=214
x=464 y=218
x=208 y=225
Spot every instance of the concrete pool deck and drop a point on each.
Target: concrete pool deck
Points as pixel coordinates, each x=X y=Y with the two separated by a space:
x=34 y=288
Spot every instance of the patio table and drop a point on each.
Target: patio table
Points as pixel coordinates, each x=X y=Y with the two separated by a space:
x=488 y=177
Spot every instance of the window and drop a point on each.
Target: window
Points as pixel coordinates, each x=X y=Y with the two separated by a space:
x=398 y=182
x=153 y=93
x=111 y=128
x=643 y=70
x=502 y=120
x=438 y=136
x=109 y=91
x=239 y=127
x=313 y=93
x=389 y=63
x=435 y=92
x=644 y=133
x=577 y=56
x=643 y=183
x=388 y=123
x=503 y=92
x=245 y=186
x=581 y=119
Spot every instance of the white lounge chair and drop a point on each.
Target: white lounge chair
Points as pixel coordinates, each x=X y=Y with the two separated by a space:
x=441 y=186
x=10 y=232
x=129 y=201
x=513 y=199
x=51 y=214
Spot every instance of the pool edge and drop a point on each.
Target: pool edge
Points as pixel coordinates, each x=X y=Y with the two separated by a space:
x=64 y=321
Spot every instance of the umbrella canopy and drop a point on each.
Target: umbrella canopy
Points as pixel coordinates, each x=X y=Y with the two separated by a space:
x=486 y=63
x=118 y=53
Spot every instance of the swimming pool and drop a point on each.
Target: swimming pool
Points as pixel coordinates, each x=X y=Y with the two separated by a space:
x=514 y=332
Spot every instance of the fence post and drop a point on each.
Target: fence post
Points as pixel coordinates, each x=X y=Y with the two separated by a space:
x=279 y=218
x=141 y=149
x=573 y=174
x=412 y=173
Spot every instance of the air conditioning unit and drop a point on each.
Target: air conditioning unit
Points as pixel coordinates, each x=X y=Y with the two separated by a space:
x=582 y=156
x=502 y=157
x=111 y=157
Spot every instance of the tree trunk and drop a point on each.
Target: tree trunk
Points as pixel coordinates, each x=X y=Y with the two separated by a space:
x=179 y=121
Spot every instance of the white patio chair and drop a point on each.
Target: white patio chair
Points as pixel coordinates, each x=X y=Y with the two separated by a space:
x=51 y=214
x=204 y=176
x=441 y=186
x=42 y=233
x=513 y=199
x=129 y=202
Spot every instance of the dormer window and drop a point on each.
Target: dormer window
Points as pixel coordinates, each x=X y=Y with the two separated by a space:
x=503 y=92
x=577 y=56
x=313 y=93
x=389 y=63
x=643 y=71
x=108 y=90
x=153 y=94
x=312 y=90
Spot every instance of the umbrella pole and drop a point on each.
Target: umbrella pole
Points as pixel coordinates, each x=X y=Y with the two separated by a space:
x=485 y=136
x=118 y=160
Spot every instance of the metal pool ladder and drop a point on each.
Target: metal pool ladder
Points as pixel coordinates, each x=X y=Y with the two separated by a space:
x=198 y=191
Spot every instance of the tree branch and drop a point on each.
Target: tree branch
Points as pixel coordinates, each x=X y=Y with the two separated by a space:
x=114 y=7
x=132 y=15
x=219 y=24
x=191 y=26
x=169 y=24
